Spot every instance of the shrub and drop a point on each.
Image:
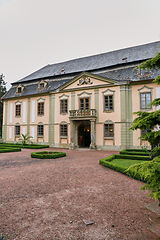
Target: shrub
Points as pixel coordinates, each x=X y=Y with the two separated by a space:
x=141 y=153
x=31 y=146
x=150 y=173
x=9 y=149
x=47 y=155
x=133 y=157
x=137 y=175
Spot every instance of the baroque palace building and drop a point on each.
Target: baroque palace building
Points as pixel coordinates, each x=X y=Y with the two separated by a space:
x=83 y=103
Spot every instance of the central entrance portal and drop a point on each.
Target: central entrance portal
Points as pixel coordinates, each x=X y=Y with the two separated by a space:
x=84 y=136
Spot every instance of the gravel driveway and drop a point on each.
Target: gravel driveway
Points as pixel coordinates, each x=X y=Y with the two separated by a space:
x=49 y=199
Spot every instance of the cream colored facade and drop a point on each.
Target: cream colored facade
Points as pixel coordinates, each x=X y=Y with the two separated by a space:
x=126 y=99
x=83 y=103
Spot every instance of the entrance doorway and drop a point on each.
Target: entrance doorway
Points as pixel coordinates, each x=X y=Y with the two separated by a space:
x=84 y=136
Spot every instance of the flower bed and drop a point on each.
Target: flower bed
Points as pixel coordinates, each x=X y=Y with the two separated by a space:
x=47 y=155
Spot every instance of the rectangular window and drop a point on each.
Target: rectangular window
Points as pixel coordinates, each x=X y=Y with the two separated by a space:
x=19 y=90
x=145 y=99
x=64 y=106
x=63 y=130
x=18 y=110
x=144 y=72
x=108 y=130
x=41 y=86
x=108 y=103
x=40 y=130
x=17 y=130
x=41 y=108
x=84 y=103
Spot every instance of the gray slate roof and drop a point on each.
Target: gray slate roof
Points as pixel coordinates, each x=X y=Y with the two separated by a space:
x=119 y=72
x=99 y=61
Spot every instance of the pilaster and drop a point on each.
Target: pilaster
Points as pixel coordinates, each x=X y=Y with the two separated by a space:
x=72 y=100
x=96 y=98
x=51 y=118
x=4 y=127
x=28 y=116
x=126 y=116
x=93 y=134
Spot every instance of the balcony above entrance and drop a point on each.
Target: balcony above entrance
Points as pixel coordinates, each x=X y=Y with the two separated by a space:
x=83 y=114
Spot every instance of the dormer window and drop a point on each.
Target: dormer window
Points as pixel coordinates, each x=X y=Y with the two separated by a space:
x=144 y=72
x=42 y=85
x=19 y=89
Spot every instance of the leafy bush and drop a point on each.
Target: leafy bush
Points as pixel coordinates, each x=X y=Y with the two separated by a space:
x=47 y=155
x=150 y=173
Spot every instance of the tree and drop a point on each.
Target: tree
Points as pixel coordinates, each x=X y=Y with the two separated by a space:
x=149 y=120
x=149 y=171
x=2 y=92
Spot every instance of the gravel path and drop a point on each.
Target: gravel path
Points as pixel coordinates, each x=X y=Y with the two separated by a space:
x=49 y=199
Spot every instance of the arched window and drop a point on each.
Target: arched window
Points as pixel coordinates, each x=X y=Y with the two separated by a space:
x=17 y=129
x=108 y=129
x=40 y=130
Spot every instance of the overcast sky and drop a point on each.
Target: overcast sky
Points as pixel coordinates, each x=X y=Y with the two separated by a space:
x=34 y=33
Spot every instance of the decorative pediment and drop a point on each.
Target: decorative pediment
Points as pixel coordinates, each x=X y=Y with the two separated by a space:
x=145 y=89
x=87 y=80
x=18 y=102
x=108 y=92
x=108 y=121
x=84 y=95
x=63 y=97
x=40 y=100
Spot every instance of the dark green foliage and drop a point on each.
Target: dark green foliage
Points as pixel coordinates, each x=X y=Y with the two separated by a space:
x=107 y=162
x=137 y=150
x=31 y=146
x=150 y=173
x=47 y=155
x=2 y=92
x=141 y=153
x=133 y=157
x=156 y=151
x=149 y=120
x=9 y=149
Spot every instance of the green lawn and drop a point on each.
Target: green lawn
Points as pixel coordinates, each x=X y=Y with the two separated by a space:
x=125 y=162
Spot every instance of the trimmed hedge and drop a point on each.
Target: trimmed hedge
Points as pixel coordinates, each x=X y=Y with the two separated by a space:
x=133 y=157
x=47 y=155
x=141 y=153
x=31 y=146
x=137 y=150
x=3 y=150
x=107 y=163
